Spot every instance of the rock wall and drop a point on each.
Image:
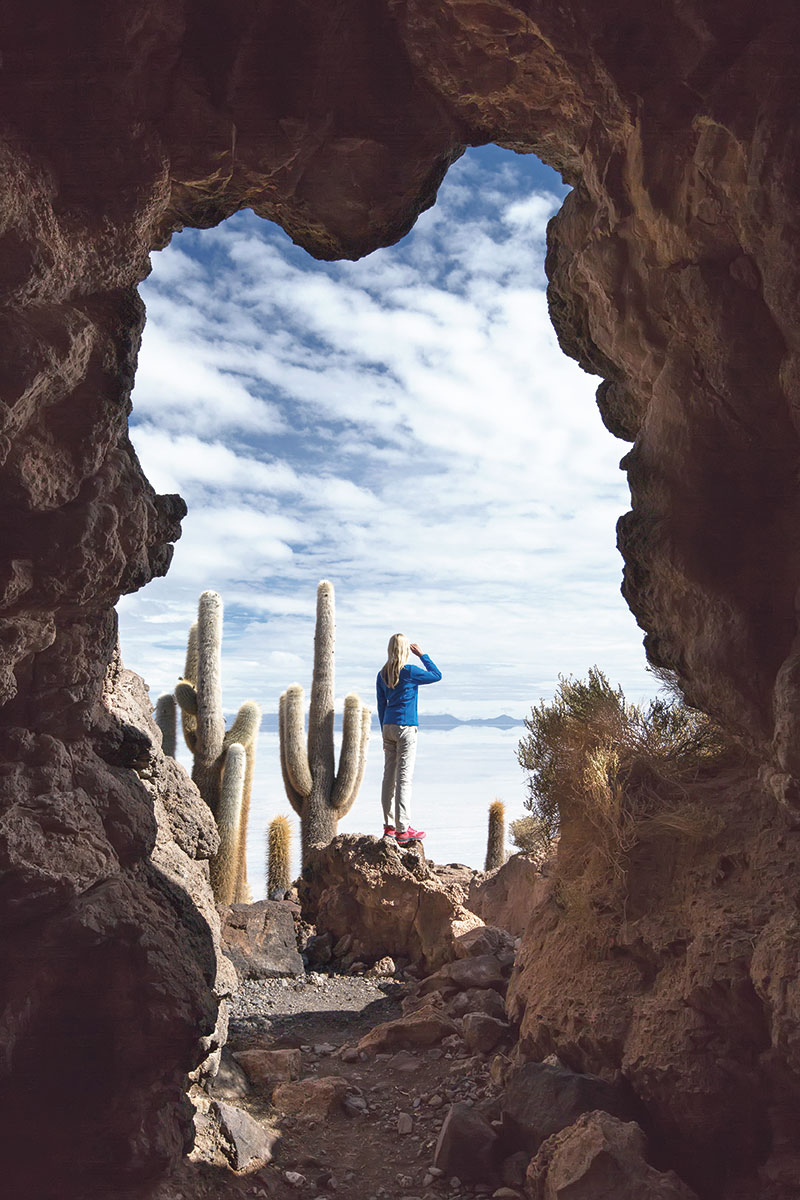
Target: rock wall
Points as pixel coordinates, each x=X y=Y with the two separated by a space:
x=689 y=988
x=673 y=275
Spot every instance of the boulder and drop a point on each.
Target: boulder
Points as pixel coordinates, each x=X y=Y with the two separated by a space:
x=484 y=971
x=456 y=875
x=466 y=1146
x=483 y=1033
x=486 y=939
x=230 y=1082
x=380 y=899
x=319 y=950
x=260 y=940
x=246 y=1140
x=264 y=1067
x=541 y=1100
x=473 y=1000
x=506 y=897
x=600 y=1158
x=315 y=1099
x=426 y=1027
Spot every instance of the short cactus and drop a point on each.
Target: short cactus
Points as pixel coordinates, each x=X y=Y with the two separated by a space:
x=165 y=718
x=496 y=843
x=279 y=840
x=199 y=696
x=319 y=795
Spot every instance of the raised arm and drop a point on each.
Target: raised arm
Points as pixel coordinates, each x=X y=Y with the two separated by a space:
x=428 y=672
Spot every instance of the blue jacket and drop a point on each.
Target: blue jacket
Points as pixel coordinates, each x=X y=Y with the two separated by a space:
x=398 y=705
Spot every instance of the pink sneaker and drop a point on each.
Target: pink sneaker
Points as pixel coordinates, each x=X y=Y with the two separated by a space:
x=410 y=835
x=389 y=831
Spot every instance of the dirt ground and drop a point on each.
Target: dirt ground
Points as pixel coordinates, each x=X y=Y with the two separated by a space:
x=359 y=1154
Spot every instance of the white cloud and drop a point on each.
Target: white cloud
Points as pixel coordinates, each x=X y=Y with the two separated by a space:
x=405 y=425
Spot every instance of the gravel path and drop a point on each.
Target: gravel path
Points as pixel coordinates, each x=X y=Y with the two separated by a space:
x=316 y=1007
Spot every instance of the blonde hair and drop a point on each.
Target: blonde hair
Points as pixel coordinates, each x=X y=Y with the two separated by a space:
x=399 y=652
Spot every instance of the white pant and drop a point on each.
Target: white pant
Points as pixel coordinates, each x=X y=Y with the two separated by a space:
x=399 y=752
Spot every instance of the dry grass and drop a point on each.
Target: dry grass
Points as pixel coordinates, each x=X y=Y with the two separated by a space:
x=610 y=777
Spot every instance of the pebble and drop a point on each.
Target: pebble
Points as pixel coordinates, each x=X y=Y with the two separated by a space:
x=355 y=1105
x=436 y=1172
x=294 y=1179
x=349 y=1054
x=435 y=1101
x=404 y=1124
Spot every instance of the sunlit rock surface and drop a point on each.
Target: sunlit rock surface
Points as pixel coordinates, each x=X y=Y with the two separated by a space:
x=674 y=277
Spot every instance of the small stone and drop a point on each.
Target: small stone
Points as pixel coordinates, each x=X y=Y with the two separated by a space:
x=405 y=1124
x=436 y=1172
x=349 y=1054
x=294 y=1179
x=428 y=1180
x=355 y=1106
x=384 y=966
x=505 y=1193
x=435 y=1101
x=324 y=1048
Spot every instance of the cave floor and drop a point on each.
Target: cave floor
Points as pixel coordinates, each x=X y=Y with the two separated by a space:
x=360 y=1155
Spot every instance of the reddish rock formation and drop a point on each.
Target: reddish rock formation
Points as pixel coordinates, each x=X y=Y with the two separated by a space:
x=690 y=990
x=600 y=1158
x=506 y=896
x=383 y=900
x=674 y=276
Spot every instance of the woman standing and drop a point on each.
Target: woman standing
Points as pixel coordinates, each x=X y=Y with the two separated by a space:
x=397 y=685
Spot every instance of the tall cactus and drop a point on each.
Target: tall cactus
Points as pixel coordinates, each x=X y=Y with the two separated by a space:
x=319 y=795
x=279 y=840
x=496 y=842
x=165 y=719
x=225 y=864
x=199 y=696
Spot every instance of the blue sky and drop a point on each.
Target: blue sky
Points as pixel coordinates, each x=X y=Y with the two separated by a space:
x=405 y=426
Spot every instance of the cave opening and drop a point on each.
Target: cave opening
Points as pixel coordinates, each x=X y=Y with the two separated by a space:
x=407 y=426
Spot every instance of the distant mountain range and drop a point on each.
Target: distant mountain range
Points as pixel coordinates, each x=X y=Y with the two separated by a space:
x=269 y=721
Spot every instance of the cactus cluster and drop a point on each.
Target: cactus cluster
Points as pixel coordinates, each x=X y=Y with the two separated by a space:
x=317 y=793
x=223 y=760
x=496 y=842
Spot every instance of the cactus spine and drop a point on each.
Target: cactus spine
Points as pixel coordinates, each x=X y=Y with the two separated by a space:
x=165 y=719
x=199 y=696
x=496 y=842
x=279 y=840
x=319 y=795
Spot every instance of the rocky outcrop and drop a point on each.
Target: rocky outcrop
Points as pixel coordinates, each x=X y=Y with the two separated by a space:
x=385 y=900
x=112 y=975
x=673 y=272
x=600 y=1158
x=687 y=991
x=506 y=896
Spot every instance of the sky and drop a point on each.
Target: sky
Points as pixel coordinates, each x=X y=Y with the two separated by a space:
x=405 y=426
